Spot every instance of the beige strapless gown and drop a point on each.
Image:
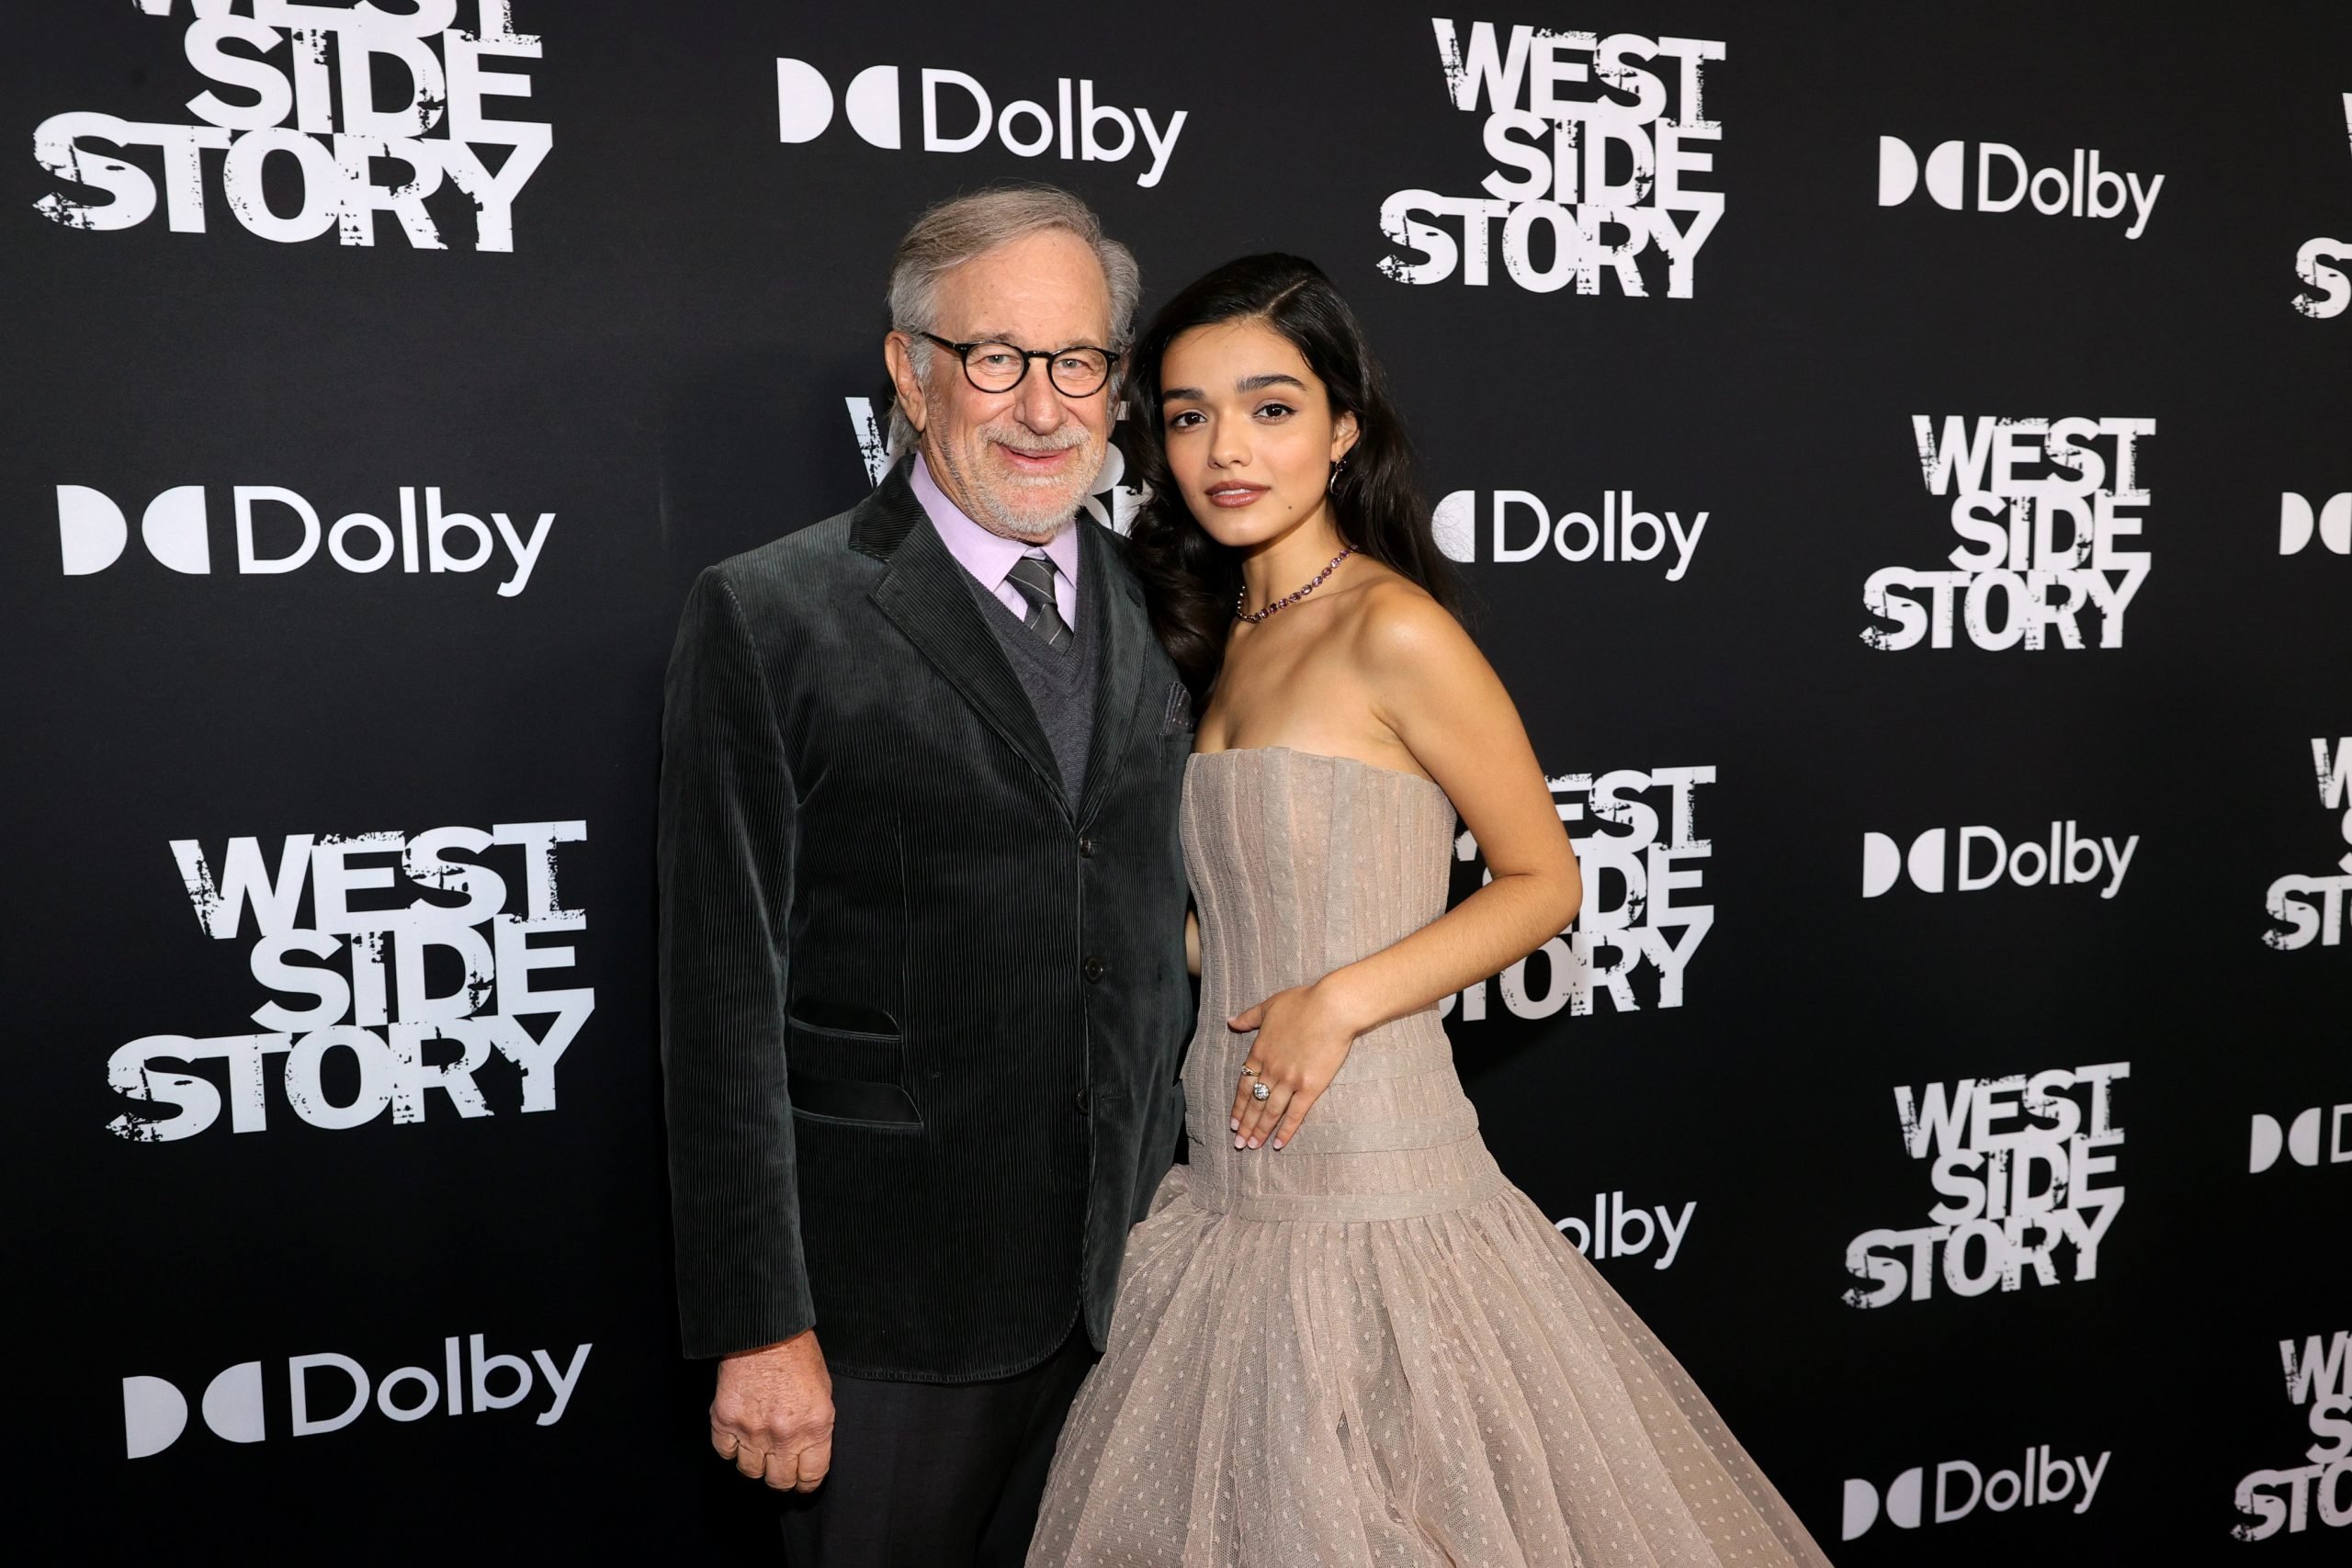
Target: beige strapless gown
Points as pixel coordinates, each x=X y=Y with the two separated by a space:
x=1368 y=1349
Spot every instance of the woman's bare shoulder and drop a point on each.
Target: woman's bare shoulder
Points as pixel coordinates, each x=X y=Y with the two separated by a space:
x=1397 y=623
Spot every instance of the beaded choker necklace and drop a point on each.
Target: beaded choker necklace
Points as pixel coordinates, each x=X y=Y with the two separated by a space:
x=1313 y=583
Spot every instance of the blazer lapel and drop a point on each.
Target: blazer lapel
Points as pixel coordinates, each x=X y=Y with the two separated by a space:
x=1127 y=645
x=926 y=596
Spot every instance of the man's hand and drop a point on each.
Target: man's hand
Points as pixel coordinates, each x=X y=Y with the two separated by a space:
x=773 y=1414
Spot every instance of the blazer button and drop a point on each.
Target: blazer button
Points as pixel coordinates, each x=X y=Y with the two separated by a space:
x=1084 y=1102
x=1086 y=849
x=1093 y=968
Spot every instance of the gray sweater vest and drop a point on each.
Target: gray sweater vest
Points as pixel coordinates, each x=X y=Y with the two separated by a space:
x=1060 y=682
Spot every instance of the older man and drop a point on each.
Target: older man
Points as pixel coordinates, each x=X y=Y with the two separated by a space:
x=922 y=922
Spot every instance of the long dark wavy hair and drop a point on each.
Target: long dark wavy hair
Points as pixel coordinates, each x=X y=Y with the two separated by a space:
x=1189 y=580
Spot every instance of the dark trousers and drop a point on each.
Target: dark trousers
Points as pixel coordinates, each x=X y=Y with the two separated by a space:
x=936 y=1475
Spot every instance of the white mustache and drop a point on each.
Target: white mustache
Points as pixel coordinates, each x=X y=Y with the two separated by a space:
x=1023 y=440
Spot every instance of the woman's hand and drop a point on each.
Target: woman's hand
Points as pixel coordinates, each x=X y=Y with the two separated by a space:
x=1303 y=1039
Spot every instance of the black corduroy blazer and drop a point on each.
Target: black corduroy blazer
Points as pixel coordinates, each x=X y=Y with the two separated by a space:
x=923 y=1015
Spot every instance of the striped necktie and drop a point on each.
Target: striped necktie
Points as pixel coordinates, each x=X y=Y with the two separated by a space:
x=1033 y=577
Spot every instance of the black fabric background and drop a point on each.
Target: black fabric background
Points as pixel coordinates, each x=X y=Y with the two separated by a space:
x=662 y=362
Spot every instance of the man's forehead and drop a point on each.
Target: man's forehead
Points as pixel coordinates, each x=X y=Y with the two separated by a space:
x=1002 y=294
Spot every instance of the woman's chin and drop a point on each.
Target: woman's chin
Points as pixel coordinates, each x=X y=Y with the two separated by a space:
x=1237 y=528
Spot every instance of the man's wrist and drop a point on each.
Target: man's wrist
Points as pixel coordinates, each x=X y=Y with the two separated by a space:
x=805 y=1338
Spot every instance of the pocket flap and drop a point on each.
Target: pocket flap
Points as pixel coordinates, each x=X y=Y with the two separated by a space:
x=856 y=1075
x=852 y=1101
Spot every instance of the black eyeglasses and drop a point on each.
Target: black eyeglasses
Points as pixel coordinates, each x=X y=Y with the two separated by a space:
x=1075 y=372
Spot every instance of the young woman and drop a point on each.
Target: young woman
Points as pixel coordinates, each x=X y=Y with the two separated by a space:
x=1342 y=1337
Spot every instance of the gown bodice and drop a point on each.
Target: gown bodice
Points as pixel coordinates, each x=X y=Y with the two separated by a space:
x=1301 y=864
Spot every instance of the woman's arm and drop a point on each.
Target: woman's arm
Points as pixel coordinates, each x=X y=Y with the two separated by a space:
x=1437 y=694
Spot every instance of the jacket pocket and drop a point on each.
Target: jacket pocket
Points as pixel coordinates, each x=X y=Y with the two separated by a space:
x=1176 y=711
x=836 y=1074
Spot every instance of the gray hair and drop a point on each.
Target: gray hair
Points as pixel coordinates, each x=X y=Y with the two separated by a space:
x=967 y=227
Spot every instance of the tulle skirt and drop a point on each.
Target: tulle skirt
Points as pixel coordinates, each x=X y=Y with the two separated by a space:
x=1460 y=1388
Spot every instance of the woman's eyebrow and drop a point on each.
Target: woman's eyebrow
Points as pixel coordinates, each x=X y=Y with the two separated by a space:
x=1247 y=384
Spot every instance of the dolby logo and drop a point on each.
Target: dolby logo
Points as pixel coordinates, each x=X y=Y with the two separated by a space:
x=2299 y=1138
x=1612 y=530
x=1617 y=1231
x=2297 y=526
x=278 y=531
x=2081 y=188
x=959 y=115
x=327 y=1390
x=1962 y=1488
x=1984 y=857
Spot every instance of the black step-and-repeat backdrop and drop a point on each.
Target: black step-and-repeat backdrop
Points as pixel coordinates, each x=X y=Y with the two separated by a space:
x=1903 y=461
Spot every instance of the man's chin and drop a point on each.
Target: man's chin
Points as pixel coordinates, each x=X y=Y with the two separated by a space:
x=1035 y=517
x=1032 y=531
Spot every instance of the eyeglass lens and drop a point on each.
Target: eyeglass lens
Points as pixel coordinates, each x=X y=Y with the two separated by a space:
x=999 y=367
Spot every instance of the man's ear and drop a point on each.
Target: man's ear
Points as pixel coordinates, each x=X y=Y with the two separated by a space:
x=898 y=353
